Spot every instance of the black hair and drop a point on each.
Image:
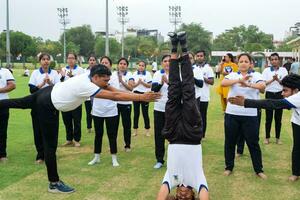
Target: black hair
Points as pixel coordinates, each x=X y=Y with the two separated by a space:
x=230 y=56
x=124 y=60
x=108 y=58
x=100 y=70
x=74 y=54
x=293 y=59
x=164 y=56
x=247 y=55
x=201 y=51
x=44 y=54
x=92 y=56
x=273 y=55
x=142 y=62
x=291 y=81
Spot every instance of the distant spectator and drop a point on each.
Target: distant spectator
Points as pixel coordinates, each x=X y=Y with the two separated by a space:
x=288 y=64
x=218 y=70
x=26 y=72
x=295 y=67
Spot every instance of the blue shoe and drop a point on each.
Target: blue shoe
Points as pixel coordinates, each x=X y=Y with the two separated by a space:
x=60 y=187
x=158 y=165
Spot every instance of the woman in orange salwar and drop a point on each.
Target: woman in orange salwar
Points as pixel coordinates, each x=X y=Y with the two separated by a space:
x=227 y=67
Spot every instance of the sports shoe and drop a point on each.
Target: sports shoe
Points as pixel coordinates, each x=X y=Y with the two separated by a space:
x=60 y=187
x=227 y=173
x=174 y=41
x=94 y=161
x=158 y=165
x=127 y=149
x=182 y=40
x=115 y=163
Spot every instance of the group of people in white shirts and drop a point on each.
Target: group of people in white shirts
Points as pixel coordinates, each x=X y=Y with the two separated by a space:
x=238 y=122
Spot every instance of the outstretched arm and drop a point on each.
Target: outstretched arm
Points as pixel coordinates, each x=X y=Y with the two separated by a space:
x=163 y=192
x=126 y=96
x=264 y=103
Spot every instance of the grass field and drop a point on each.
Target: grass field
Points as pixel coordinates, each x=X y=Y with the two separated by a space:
x=21 y=178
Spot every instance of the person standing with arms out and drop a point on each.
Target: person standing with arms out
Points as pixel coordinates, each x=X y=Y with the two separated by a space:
x=240 y=120
x=41 y=78
x=106 y=110
x=291 y=87
x=124 y=107
x=72 y=119
x=227 y=66
x=208 y=78
x=273 y=76
x=88 y=105
x=142 y=83
x=160 y=84
x=66 y=96
x=7 y=84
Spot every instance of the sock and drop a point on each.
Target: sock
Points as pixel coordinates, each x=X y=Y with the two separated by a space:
x=97 y=156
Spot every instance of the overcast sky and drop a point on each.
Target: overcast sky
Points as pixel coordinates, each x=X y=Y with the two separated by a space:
x=39 y=17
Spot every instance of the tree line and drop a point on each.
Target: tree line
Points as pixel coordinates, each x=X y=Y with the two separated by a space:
x=83 y=41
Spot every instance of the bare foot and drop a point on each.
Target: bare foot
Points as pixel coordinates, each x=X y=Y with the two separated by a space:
x=262 y=175
x=227 y=173
x=293 y=178
x=267 y=141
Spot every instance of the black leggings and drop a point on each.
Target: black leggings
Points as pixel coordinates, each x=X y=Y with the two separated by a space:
x=183 y=124
x=269 y=116
x=124 y=111
x=145 y=111
x=4 y=115
x=48 y=121
x=72 y=121
x=111 y=129
x=88 y=109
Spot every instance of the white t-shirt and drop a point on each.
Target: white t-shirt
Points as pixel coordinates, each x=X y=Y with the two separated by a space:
x=184 y=167
x=5 y=75
x=208 y=73
x=75 y=71
x=160 y=104
x=268 y=74
x=38 y=75
x=127 y=76
x=248 y=93
x=145 y=77
x=199 y=76
x=70 y=94
x=295 y=101
x=106 y=107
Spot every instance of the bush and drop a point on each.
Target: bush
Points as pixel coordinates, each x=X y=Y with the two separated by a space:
x=52 y=65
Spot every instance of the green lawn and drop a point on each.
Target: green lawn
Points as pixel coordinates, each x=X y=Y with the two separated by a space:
x=20 y=178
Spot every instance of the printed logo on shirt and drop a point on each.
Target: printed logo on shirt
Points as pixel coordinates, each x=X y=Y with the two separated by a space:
x=228 y=69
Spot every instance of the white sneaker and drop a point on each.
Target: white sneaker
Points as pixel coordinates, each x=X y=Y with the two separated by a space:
x=115 y=163
x=94 y=161
x=147 y=132
x=158 y=165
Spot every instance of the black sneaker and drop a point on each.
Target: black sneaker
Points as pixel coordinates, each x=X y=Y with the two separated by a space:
x=174 y=41
x=60 y=187
x=182 y=39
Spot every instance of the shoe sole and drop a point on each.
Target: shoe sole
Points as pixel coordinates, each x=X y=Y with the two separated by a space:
x=56 y=191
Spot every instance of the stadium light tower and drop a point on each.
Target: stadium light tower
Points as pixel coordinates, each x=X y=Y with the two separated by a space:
x=122 y=12
x=175 y=15
x=63 y=14
x=8 y=57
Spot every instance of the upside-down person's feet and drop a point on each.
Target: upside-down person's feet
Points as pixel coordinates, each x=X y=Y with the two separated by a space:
x=174 y=41
x=182 y=40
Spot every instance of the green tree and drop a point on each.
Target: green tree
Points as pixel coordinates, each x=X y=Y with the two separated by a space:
x=131 y=46
x=146 y=47
x=197 y=37
x=20 y=44
x=52 y=47
x=243 y=38
x=82 y=37
x=114 y=48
